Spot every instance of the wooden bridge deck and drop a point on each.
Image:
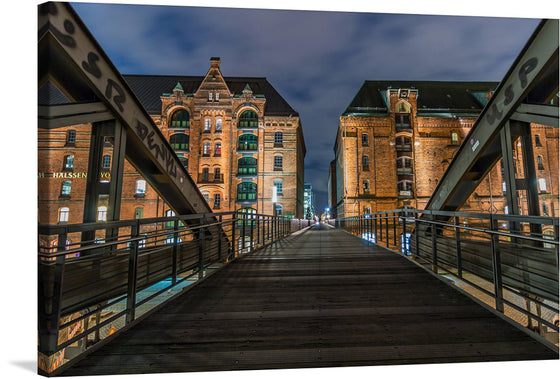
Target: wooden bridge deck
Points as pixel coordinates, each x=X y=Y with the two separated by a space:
x=322 y=298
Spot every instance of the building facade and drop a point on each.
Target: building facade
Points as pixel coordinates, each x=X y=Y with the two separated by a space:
x=396 y=139
x=237 y=137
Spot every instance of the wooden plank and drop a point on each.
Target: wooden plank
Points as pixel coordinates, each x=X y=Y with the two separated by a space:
x=309 y=302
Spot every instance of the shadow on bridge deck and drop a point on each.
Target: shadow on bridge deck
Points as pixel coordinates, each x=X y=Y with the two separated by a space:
x=322 y=298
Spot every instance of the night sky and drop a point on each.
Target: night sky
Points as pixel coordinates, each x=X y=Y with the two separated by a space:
x=317 y=60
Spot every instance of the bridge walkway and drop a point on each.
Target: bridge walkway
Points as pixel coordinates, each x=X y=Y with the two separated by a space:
x=319 y=298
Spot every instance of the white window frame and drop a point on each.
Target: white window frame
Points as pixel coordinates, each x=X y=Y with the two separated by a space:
x=140 y=187
x=207 y=124
x=102 y=213
x=219 y=124
x=542 y=184
x=63 y=214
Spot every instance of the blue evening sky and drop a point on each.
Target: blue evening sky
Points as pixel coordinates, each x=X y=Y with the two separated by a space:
x=317 y=60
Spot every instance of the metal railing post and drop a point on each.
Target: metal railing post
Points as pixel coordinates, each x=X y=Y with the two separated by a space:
x=375 y=228
x=405 y=245
x=201 y=247
x=394 y=229
x=252 y=221
x=174 y=252
x=417 y=235
x=243 y=228
x=387 y=229
x=434 y=244
x=220 y=231
x=458 y=247
x=132 y=275
x=233 y=233
x=496 y=266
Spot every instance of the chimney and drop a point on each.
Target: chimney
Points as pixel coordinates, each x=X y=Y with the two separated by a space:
x=215 y=62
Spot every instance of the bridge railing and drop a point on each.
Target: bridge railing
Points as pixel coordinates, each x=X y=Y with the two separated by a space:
x=497 y=255
x=90 y=288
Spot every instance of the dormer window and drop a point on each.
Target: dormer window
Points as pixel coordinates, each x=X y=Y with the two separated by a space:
x=209 y=96
x=217 y=96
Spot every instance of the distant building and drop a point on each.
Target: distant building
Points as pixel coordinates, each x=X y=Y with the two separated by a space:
x=396 y=139
x=236 y=136
x=308 y=201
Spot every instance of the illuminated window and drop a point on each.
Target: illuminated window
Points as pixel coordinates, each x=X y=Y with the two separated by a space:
x=454 y=138
x=207 y=125
x=63 y=214
x=247 y=191
x=206 y=149
x=68 y=162
x=102 y=213
x=219 y=125
x=278 y=210
x=218 y=148
x=66 y=188
x=248 y=119
x=209 y=96
x=169 y=224
x=542 y=185
x=138 y=213
x=247 y=142
x=247 y=166
x=217 y=96
x=180 y=119
x=179 y=141
x=140 y=187
x=278 y=184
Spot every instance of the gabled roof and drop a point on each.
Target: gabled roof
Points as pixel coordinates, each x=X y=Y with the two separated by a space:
x=433 y=96
x=149 y=88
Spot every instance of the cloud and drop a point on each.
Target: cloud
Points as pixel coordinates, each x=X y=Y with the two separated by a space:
x=316 y=60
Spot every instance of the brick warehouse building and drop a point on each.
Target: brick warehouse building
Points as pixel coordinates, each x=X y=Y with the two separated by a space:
x=396 y=139
x=236 y=136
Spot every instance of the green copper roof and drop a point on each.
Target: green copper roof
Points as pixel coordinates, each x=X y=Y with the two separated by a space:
x=178 y=86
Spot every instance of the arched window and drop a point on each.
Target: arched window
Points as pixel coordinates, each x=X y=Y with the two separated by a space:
x=66 y=188
x=403 y=142
x=247 y=191
x=367 y=210
x=278 y=161
x=180 y=119
x=106 y=162
x=206 y=149
x=138 y=213
x=278 y=184
x=218 y=149
x=247 y=214
x=207 y=125
x=179 y=141
x=366 y=185
x=247 y=142
x=71 y=137
x=217 y=200
x=169 y=224
x=218 y=124
x=278 y=139
x=63 y=214
x=140 y=188
x=247 y=166
x=279 y=210
x=102 y=213
x=402 y=115
x=248 y=119
x=68 y=163
x=365 y=163
x=454 y=138
x=540 y=164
